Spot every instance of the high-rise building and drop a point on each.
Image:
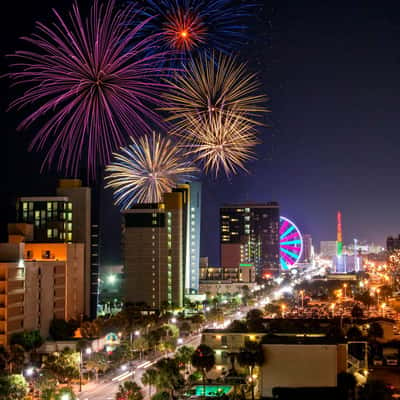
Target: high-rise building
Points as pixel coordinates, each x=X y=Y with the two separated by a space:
x=50 y=216
x=308 y=249
x=191 y=233
x=83 y=232
x=153 y=246
x=392 y=244
x=249 y=233
x=65 y=218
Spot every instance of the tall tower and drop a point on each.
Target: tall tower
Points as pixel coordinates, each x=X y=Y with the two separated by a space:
x=339 y=234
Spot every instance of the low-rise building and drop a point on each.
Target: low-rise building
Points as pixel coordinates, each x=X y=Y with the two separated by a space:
x=294 y=359
x=39 y=282
x=223 y=280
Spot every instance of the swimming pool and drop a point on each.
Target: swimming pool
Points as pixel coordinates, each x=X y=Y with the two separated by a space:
x=211 y=390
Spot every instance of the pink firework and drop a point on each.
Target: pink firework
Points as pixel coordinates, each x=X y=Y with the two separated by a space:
x=92 y=82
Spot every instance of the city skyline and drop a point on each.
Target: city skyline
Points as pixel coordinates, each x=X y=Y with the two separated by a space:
x=311 y=174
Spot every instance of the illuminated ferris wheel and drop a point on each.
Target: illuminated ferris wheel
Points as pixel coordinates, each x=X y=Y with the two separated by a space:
x=291 y=243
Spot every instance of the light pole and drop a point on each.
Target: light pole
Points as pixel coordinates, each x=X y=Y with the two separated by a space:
x=88 y=351
x=383 y=305
x=333 y=309
x=302 y=298
x=345 y=291
x=377 y=294
x=283 y=308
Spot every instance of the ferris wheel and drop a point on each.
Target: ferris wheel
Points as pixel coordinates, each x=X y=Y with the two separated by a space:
x=290 y=245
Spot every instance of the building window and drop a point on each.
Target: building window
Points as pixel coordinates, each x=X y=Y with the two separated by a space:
x=69 y=206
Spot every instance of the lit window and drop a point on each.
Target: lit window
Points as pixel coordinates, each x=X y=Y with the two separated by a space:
x=49 y=233
x=69 y=206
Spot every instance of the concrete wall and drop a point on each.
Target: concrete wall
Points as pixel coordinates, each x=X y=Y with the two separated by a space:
x=298 y=366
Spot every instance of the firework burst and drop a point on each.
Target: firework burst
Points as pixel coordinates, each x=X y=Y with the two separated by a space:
x=223 y=142
x=92 y=82
x=190 y=25
x=210 y=85
x=147 y=168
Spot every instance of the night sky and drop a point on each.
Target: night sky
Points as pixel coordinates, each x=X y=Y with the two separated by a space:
x=332 y=72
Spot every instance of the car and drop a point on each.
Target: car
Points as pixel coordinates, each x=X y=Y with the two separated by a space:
x=391 y=361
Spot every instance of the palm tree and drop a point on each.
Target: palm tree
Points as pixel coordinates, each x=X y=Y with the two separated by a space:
x=150 y=378
x=184 y=355
x=168 y=375
x=250 y=356
x=203 y=359
x=129 y=390
x=97 y=362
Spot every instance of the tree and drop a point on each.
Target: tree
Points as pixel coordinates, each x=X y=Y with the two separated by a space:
x=250 y=356
x=272 y=308
x=375 y=331
x=129 y=390
x=255 y=313
x=161 y=396
x=203 y=359
x=13 y=358
x=346 y=383
x=168 y=375
x=354 y=333
x=61 y=329
x=97 y=363
x=121 y=354
x=29 y=340
x=365 y=298
x=90 y=329
x=46 y=382
x=13 y=387
x=357 y=312
x=64 y=365
x=150 y=378
x=184 y=355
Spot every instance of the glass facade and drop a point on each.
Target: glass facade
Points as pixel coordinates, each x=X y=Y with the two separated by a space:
x=51 y=218
x=254 y=228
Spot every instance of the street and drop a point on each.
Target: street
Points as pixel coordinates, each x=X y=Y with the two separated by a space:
x=106 y=389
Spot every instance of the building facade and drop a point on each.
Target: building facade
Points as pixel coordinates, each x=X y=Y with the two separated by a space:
x=39 y=282
x=65 y=218
x=328 y=248
x=249 y=233
x=392 y=244
x=153 y=247
x=83 y=232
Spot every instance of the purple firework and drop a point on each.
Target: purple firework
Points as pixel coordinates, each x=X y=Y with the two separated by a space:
x=92 y=82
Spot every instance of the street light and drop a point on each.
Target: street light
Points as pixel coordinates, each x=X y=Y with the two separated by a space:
x=137 y=333
x=111 y=279
x=333 y=309
x=345 y=287
x=173 y=320
x=179 y=341
x=383 y=305
x=29 y=371
x=88 y=351
x=283 y=308
x=302 y=298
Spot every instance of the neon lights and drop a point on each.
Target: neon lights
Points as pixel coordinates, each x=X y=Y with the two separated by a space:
x=291 y=243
